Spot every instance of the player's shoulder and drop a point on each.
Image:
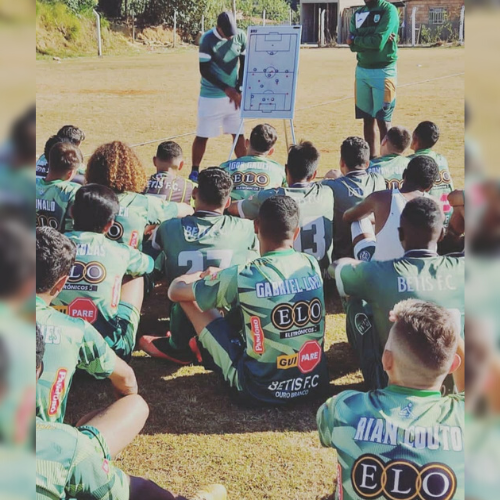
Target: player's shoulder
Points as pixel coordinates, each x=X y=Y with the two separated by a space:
x=55 y=441
x=241 y=35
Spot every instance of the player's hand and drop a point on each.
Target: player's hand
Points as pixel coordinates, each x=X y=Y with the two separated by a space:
x=333 y=174
x=234 y=96
x=210 y=271
x=392 y=37
x=349 y=40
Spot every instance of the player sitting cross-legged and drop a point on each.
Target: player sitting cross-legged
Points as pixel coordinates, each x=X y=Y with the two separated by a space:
x=167 y=183
x=405 y=441
x=315 y=202
x=256 y=171
x=76 y=462
x=272 y=351
x=55 y=193
x=190 y=245
x=105 y=286
x=71 y=343
x=117 y=167
x=420 y=273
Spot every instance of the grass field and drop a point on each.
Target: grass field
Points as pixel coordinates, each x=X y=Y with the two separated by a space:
x=195 y=434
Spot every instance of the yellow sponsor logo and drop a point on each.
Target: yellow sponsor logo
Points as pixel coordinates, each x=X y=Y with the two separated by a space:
x=285 y=362
x=62 y=309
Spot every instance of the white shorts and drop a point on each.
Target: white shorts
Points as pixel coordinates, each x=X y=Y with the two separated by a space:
x=216 y=116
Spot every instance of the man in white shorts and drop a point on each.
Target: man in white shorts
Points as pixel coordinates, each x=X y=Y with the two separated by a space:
x=221 y=50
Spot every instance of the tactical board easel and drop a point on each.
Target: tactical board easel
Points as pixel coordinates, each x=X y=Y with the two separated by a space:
x=270 y=75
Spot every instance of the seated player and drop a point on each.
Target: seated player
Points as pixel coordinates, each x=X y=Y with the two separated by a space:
x=117 y=167
x=55 y=193
x=167 y=183
x=76 y=462
x=256 y=171
x=42 y=164
x=392 y=163
x=272 y=351
x=407 y=440
x=315 y=202
x=71 y=343
x=387 y=206
x=421 y=274
x=425 y=137
x=105 y=285
x=190 y=245
x=353 y=184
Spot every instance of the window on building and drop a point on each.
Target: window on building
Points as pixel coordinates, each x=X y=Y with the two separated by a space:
x=437 y=15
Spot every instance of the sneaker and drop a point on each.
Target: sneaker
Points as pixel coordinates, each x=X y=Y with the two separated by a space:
x=212 y=492
x=193 y=176
x=163 y=350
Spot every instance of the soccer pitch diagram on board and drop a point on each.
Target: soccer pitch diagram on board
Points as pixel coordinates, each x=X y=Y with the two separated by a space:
x=271 y=69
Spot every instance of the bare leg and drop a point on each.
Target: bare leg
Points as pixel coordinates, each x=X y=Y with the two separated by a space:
x=199 y=148
x=120 y=422
x=240 y=149
x=370 y=135
x=199 y=319
x=133 y=291
x=383 y=127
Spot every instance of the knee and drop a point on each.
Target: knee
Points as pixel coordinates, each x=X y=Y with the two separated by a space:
x=141 y=408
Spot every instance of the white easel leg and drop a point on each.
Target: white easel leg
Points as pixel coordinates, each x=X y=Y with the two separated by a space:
x=294 y=140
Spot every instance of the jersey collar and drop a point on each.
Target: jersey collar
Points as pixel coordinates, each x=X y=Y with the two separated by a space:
x=216 y=33
x=413 y=392
x=301 y=185
x=420 y=253
x=356 y=173
x=206 y=213
x=39 y=302
x=423 y=151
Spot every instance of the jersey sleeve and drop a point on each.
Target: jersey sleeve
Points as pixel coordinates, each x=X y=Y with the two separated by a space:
x=160 y=210
x=218 y=290
x=92 y=476
x=139 y=263
x=205 y=51
x=243 y=43
x=325 y=418
x=354 y=280
x=249 y=208
x=383 y=30
x=95 y=356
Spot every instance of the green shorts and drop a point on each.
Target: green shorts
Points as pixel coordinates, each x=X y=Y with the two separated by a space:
x=97 y=439
x=376 y=92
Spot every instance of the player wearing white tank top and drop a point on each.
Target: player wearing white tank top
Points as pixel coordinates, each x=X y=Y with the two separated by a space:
x=387 y=206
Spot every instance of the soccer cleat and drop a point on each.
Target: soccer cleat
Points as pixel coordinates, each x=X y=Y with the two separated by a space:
x=212 y=492
x=147 y=344
x=193 y=345
x=193 y=176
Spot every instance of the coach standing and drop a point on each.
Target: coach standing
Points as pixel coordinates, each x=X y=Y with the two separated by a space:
x=373 y=35
x=221 y=49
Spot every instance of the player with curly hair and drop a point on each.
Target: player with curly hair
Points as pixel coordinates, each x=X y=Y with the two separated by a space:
x=115 y=165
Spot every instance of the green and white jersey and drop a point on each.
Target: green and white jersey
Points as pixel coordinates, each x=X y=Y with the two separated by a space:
x=252 y=174
x=136 y=212
x=316 y=217
x=70 y=465
x=93 y=289
x=391 y=167
x=223 y=56
x=70 y=343
x=419 y=275
x=53 y=200
x=204 y=240
x=396 y=443
x=42 y=167
x=281 y=304
x=348 y=191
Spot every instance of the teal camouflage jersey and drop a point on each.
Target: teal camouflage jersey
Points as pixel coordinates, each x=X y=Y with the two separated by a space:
x=316 y=217
x=252 y=174
x=70 y=343
x=72 y=465
x=396 y=443
x=391 y=167
x=93 y=289
x=418 y=275
x=223 y=56
x=53 y=201
x=348 y=191
x=137 y=211
x=280 y=297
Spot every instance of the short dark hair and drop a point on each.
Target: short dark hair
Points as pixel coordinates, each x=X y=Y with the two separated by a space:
x=263 y=138
x=303 y=160
x=40 y=346
x=64 y=157
x=423 y=214
x=427 y=332
x=399 y=137
x=74 y=134
x=427 y=133
x=422 y=171
x=355 y=152
x=168 y=151
x=214 y=186
x=17 y=259
x=279 y=218
x=55 y=255
x=94 y=208
x=51 y=142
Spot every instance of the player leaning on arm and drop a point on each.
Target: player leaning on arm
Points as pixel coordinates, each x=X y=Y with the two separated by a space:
x=373 y=36
x=405 y=441
x=75 y=463
x=221 y=50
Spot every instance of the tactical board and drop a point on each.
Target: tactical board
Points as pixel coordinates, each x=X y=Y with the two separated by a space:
x=271 y=69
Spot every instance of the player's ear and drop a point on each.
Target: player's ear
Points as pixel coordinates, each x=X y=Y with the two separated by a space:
x=228 y=202
x=256 y=226
x=57 y=288
x=271 y=151
x=195 y=193
x=154 y=161
x=296 y=233
x=181 y=164
x=387 y=360
x=442 y=235
x=401 y=233
x=313 y=176
x=457 y=362
x=247 y=143
x=108 y=226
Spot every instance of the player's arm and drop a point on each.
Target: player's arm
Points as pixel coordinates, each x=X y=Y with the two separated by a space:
x=181 y=289
x=352 y=277
x=363 y=209
x=183 y=210
x=123 y=379
x=233 y=209
x=249 y=208
x=386 y=31
x=325 y=421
